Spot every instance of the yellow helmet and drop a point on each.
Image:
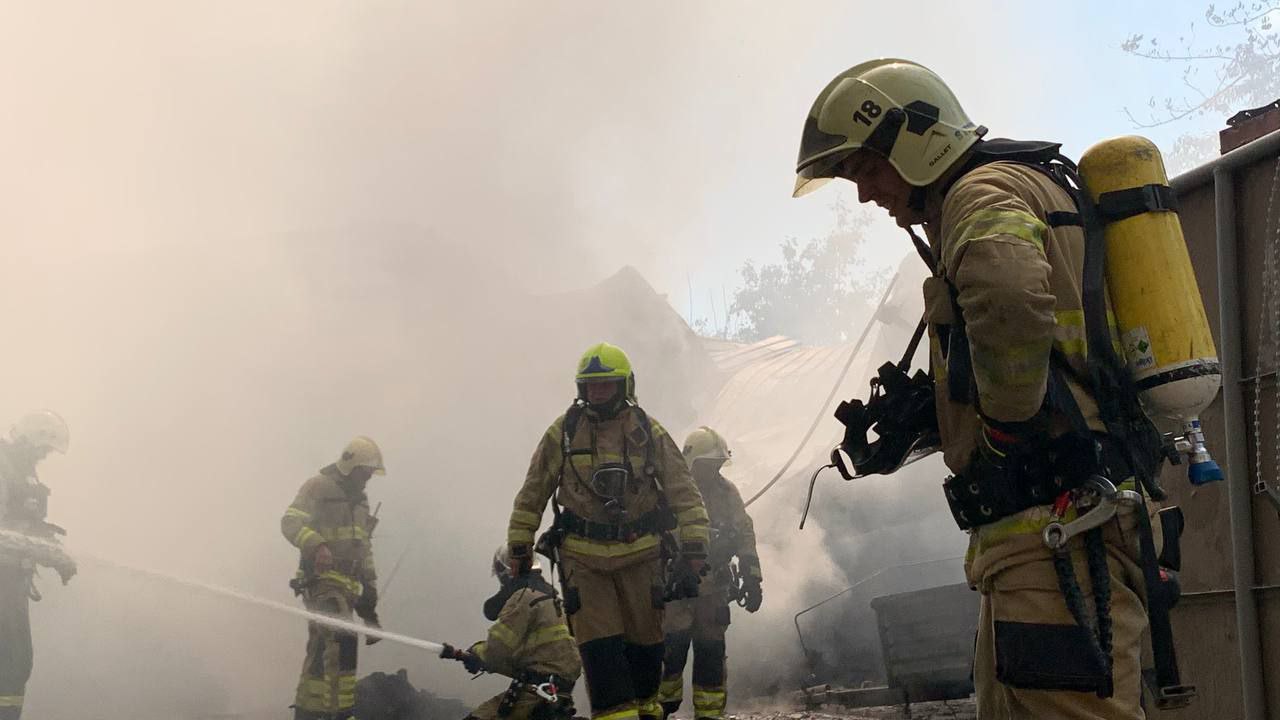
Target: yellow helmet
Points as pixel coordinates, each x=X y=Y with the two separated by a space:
x=361 y=452
x=43 y=429
x=706 y=444
x=897 y=108
x=604 y=362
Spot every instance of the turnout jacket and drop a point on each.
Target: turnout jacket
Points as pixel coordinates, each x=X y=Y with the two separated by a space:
x=327 y=512
x=569 y=476
x=530 y=636
x=732 y=532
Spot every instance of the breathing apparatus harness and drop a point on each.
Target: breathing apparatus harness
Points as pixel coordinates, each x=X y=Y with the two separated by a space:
x=1070 y=469
x=609 y=484
x=1075 y=467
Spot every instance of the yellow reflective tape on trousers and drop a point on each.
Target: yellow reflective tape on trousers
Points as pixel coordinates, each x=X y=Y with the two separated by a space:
x=627 y=714
x=295 y=512
x=346 y=582
x=990 y=222
x=524 y=518
x=583 y=546
x=671 y=689
x=550 y=634
x=650 y=707
x=11 y=701
x=504 y=635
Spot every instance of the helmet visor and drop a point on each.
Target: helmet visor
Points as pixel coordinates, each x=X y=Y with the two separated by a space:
x=813 y=176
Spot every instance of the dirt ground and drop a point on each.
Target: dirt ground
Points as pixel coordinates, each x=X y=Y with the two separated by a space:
x=949 y=710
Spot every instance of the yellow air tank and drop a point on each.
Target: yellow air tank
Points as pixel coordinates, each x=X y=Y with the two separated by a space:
x=1154 y=295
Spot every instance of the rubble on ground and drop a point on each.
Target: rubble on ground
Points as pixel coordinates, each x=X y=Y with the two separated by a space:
x=383 y=696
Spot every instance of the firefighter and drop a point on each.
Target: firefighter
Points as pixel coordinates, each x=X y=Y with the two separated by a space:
x=702 y=621
x=330 y=524
x=528 y=642
x=27 y=541
x=621 y=495
x=1007 y=247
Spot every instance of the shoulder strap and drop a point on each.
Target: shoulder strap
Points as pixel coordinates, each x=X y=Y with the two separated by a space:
x=650 y=452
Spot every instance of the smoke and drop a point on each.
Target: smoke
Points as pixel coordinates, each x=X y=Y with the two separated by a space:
x=239 y=234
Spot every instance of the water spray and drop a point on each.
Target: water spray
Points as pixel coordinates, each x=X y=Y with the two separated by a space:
x=232 y=593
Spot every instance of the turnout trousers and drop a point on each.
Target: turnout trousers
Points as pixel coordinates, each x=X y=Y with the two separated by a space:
x=1024 y=646
x=615 y=612
x=701 y=623
x=15 y=639
x=327 y=688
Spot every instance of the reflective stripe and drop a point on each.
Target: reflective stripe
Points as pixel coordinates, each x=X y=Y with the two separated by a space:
x=295 y=512
x=348 y=584
x=988 y=223
x=549 y=635
x=305 y=537
x=626 y=714
x=695 y=532
x=524 y=518
x=11 y=701
x=1010 y=364
x=519 y=536
x=583 y=546
x=344 y=532
x=692 y=515
x=1031 y=521
x=1068 y=332
x=708 y=703
x=649 y=707
x=671 y=689
x=504 y=635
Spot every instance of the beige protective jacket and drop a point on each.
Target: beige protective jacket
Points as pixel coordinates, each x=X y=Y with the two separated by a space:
x=594 y=443
x=1018 y=284
x=326 y=513
x=732 y=532
x=530 y=635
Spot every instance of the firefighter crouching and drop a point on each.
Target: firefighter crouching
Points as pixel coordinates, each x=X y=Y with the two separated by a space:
x=330 y=524
x=622 y=492
x=528 y=642
x=702 y=621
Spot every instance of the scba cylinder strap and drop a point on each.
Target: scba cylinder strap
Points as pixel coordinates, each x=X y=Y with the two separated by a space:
x=648 y=524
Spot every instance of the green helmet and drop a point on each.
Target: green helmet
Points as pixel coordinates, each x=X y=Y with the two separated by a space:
x=607 y=363
x=898 y=108
x=706 y=444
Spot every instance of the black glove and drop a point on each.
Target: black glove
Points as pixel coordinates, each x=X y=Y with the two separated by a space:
x=682 y=582
x=752 y=595
x=472 y=662
x=448 y=652
x=367 y=606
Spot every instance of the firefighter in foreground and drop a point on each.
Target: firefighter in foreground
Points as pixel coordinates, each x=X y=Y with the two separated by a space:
x=702 y=621
x=528 y=642
x=1018 y=413
x=330 y=524
x=26 y=541
x=621 y=494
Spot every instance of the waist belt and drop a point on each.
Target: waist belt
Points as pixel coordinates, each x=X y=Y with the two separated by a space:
x=978 y=497
x=564 y=686
x=647 y=524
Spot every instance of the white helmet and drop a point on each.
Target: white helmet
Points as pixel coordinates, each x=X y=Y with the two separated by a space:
x=361 y=452
x=706 y=444
x=43 y=429
x=897 y=108
x=501 y=566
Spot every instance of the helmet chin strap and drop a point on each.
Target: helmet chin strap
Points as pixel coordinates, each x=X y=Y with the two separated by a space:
x=923 y=249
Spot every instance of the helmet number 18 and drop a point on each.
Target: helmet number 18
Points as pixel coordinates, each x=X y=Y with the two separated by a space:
x=872 y=111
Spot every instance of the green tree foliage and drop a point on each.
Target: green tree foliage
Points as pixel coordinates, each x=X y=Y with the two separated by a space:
x=1233 y=65
x=820 y=293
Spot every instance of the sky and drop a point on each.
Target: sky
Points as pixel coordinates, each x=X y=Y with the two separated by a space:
x=240 y=233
